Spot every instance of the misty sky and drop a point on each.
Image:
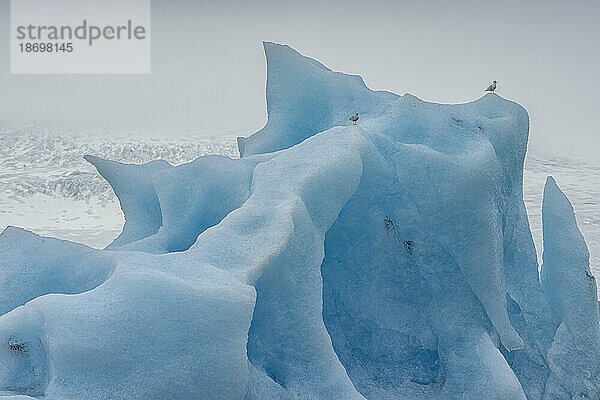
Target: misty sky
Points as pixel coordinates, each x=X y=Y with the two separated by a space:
x=208 y=71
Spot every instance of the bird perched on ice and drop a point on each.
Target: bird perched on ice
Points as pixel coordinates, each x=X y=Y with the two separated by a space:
x=492 y=87
x=354 y=118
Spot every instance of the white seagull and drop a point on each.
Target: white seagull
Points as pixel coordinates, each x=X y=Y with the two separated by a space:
x=354 y=118
x=492 y=87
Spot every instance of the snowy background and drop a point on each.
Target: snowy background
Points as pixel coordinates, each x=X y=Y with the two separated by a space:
x=51 y=190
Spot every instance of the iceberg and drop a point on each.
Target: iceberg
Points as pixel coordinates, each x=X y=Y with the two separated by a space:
x=391 y=259
x=570 y=287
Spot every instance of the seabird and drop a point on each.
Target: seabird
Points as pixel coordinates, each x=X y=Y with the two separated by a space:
x=354 y=118
x=492 y=87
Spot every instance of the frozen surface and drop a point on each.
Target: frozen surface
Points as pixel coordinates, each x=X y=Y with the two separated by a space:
x=169 y=207
x=305 y=97
x=388 y=260
x=581 y=180
x=143 y=333
x=51 y=190
x=570 y=287
x=32 y=266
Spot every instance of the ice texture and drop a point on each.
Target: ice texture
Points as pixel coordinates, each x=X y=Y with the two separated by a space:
x=32 y=266
x=305 y=97
x=391 y=259
x=571 y=290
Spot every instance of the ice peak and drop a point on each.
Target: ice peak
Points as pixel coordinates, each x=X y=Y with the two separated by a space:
x=571 y=291
x=557 y=214
x=277 y=53
x=565 y=270
x=304 y=97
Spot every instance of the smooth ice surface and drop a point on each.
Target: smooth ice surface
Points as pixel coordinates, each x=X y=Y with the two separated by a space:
x=565 y=274
x=142 y=334
x=570 y=287
x=388 y=260
x=32 y=266
x=168 y=207
x=305 y=97
x=134 y=187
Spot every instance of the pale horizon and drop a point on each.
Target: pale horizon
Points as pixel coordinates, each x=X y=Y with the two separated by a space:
x=208 y=67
